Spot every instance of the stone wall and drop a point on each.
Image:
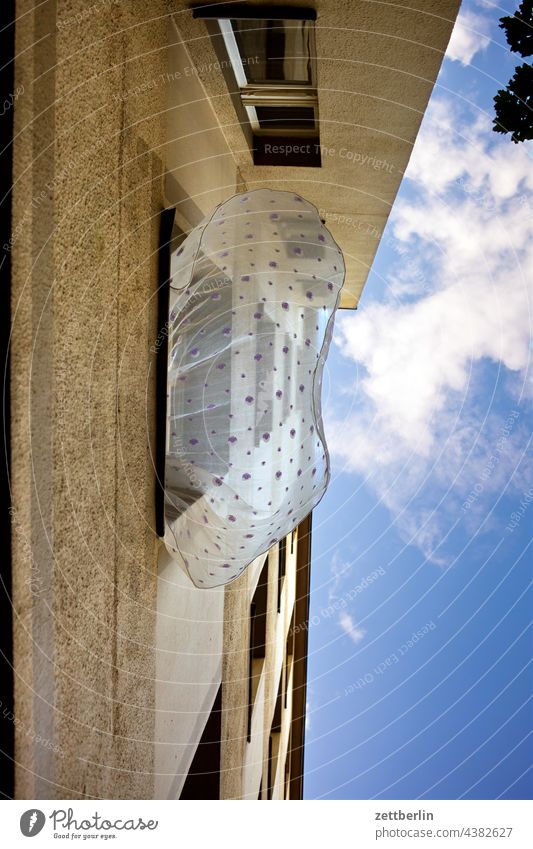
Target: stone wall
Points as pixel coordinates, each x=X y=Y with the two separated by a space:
x=88 y=177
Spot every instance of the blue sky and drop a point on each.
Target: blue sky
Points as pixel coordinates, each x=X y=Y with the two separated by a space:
x=420 y=638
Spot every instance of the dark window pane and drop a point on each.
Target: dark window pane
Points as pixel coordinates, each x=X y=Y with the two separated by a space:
x=285 y=117
x=275 y=51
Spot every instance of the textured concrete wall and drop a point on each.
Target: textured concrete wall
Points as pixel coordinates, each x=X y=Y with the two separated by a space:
x=88 y=191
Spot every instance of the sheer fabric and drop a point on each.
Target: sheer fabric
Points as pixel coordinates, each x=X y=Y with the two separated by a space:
x=254 y=289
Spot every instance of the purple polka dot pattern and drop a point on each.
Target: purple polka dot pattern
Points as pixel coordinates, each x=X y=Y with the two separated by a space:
x=246 y=460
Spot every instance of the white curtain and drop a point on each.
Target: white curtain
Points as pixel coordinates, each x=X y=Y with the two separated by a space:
x=254 y=289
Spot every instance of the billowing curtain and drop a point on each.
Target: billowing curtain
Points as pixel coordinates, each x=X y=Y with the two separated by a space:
x=254 y=289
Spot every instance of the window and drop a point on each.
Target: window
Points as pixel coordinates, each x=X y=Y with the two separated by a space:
x=277 y=51
x=274 y=740
x=272 y=118
x=257 y=645
x=273 y=754
x=273 y=57
x=282 y=549
x=289 y=654
x=288 y=769
x=294 y=537
x=278 y=709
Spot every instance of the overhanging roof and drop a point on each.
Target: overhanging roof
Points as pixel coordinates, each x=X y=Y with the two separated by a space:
x=377 y=63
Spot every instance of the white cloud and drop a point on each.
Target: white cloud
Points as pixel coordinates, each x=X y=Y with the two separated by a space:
x=461 y=295
x=470 y=36
x=339 y=569
x=350 y=628
x=416 y=355
x=453 y=144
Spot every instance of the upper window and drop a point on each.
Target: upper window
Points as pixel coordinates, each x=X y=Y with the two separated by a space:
x=275 y=51
x=274 y=65
x=273 y=56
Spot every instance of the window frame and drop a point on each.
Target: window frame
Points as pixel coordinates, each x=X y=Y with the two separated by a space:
x=271 y=92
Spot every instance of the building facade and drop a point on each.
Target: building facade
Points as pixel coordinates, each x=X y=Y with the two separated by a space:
x=248 y=744
x=128 y=681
